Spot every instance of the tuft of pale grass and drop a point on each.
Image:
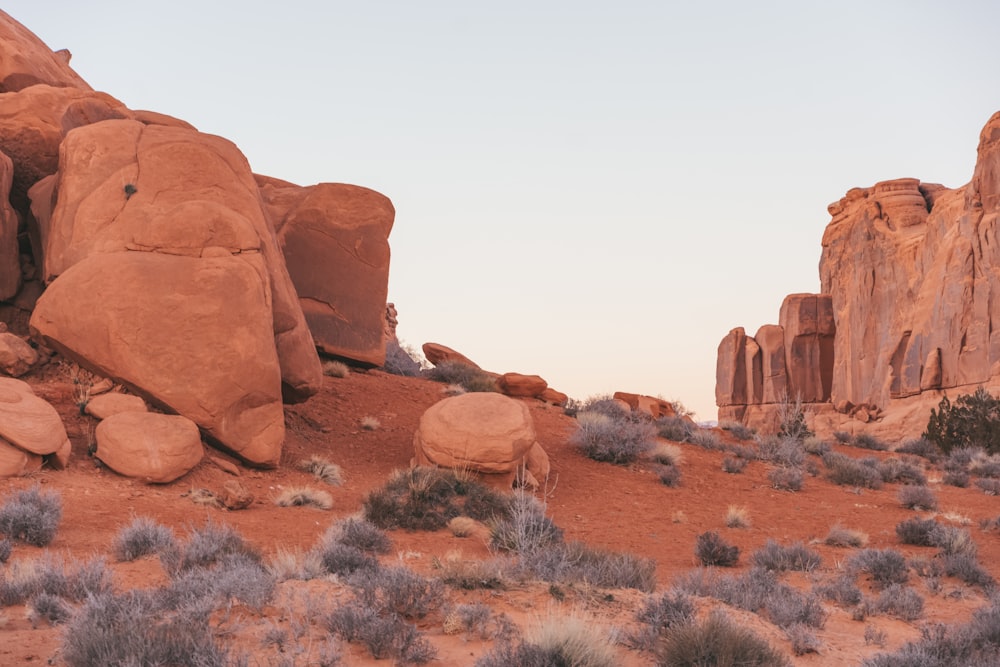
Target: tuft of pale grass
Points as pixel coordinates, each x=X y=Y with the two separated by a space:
x=336 y=369
x=737 y=517
x=323 y=470
x=294 y=564
x=204 y=497
x=463 y=526
x=845 y=537
x=471 y=574
x=955 y=517
x=302 y=496
x=572 y=640
x=666 y=454
x=453 y=390
x=370 y=423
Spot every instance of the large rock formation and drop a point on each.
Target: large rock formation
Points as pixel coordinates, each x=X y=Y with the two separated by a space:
x=910 y=306
x=160 y=255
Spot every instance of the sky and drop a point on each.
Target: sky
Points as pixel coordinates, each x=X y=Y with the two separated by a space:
x=593 y=192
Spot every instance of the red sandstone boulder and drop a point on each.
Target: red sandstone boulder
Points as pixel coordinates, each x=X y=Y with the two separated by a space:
x=335 y=243
x=437 y=353
x=25 y=60
x=483 y=431
x=16 y=356
x=107 y=404
x=212 y=360
x=522 y=386
x=10 y=264
x=152 y=447
x=648 y=405
x=29 y=422
x=16 y=462
x=554 y=397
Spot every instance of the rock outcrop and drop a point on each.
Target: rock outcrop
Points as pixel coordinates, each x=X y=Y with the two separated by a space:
x=909 y=307
x=26 y=61
x=30 y=429
x=152 y=447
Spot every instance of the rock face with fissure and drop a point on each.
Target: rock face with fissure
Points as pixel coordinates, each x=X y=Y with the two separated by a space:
x=909 y=306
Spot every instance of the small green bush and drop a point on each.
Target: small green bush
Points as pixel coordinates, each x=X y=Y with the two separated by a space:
x=972 y=421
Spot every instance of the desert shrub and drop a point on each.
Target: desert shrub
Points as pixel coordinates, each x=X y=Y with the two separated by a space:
x=477 y=618
x=798 y=557
x=132 y=629
x=866 y=441
x=839 y=536
x=917 y=498
x=965 y=567
x=786 y=608
x=786 y=479
x=783 y=451
x=669 y=475
x=792 y=419
x=142 y=537
x=658 y=615
x=710 y=549
x=986 y=466
x=425 y=498
x=884 y=566
x=737 y=517
x=973 y=420
x=235 y=576
x=973 y=643
x=706 y=439
x=208 y=545
x=574 y=562
x=397 y=589
x=990 y=487
x=468 y=377
x=323 y=470
x=802 y=639
x=6 y=547
x=344 y=559
x=895 y=470
x=953 y=540
x=921 y=447
x=525 y=529
x=304 y=496
x=400 y=360
x=31 y=516
x=960 y=458
x=740 y=431
x=841 y=591
x=899 y=601
x=875 y=636
x=733 y=465
x=618 y=440
x=384 y=636
x=52 y=575
x=916 y=531
x=816 y=446
x=760 y=591
x=558 y=640
x=846 y=471
x=677 y=429
x=719 y=642
x=843 y=437
x=361 y=534
x=958 y=478
x=52 y=609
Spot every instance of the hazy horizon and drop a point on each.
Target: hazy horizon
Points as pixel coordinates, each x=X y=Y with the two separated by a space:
x=593 y=193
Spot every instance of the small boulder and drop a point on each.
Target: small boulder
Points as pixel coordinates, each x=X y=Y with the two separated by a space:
x=29 y=422
x=481 y=431
x=15 y=462
x=522 y=386
x=105 y=405
x=235 y=496
x=554 y=397
x=16 y=356
x=149 y=446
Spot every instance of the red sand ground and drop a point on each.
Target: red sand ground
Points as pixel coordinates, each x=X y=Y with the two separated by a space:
x=619 y=508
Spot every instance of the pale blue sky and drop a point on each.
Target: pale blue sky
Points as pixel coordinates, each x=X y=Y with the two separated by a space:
x=594 y=192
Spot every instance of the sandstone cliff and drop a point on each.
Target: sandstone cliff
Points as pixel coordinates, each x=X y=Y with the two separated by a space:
x=911 y=273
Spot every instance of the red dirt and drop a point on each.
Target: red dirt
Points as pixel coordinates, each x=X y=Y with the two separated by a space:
x=619 y=508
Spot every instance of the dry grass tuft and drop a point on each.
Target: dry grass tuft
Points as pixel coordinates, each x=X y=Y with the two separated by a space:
x=203 y=497
x=463 y=526
x=323 y=470
x=667 y=454
x=336 y=369
x=301 y=496
x=370 y=423
x=737 y=517
x=845 y=537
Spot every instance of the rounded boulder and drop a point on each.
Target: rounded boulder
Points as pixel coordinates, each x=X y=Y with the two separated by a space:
x=149 y=446
x=482 y=431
